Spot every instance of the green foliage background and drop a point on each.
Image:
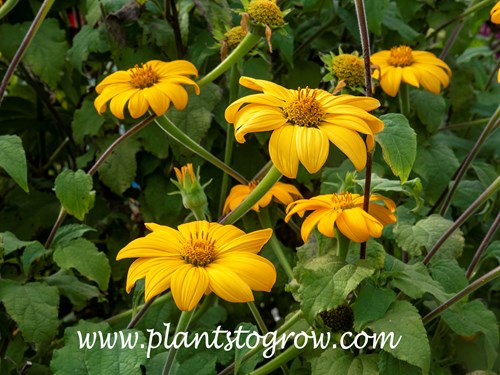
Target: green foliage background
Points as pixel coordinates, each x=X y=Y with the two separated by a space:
x=50 y=134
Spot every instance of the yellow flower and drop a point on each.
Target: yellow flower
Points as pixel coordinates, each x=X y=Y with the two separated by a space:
x=413 y=67
x=191 y=190
x=495 y=13
x=350 y=68
x=200 y=258
x=154 y=84
x=284 y=193
x=345 y=211
x=303 y=122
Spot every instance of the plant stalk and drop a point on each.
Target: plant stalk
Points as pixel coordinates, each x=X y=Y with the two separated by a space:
x=174 y=132
x=182 y=326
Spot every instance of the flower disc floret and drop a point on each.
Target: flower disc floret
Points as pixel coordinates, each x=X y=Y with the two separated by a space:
x=304 y=122
x=401 y=56
x=154 y=85
x=349 y=68
x=265 y=12
x=199 y=258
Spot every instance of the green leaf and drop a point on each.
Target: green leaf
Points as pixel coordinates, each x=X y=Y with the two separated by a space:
x=404 y=320
x=9 y=243
x=430 y=108
x=32 y=252
x=449 y=274
x=195 y=120
x=392 y=20
x=413 y=279
x=87 y=40
x=86 y=121
x=345 y=363
x=49 y=44
x=399 y=144
x=13 y=159
x=435 y=176
x=154 y=140
x=119 y=359
x=250 y=364
x=78 y=293
x=69 y=232
x=74 y=191
x=389 y=365
x=325 y=282
x=83 y=256
x=375 y=10
x=425 y=233
x=34 y=307
x=119 y=169
x=371 y=304
x=471 y=318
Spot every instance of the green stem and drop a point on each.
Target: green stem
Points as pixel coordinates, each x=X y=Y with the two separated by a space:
x=249 y=41
x=289 y=354
x=404 y=99
x=33 y=29
x=182 y=326
x=482 y=121
x=260 y=190
x=493 y=274
x=282 y=329
x=233 y=95
x=258 y=318
x=127 y=315
x=342 y=245
x=470 y=10
x=174 y=132
x=265 y=221
x=7 y=7
x=490 y=127
x=467 y=213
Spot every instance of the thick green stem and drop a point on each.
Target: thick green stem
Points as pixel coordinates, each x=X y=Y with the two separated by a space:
x=258 y=318
x=265 y=221
x=35 y=25
x=7 y=7
x=490 y=127
x=248 y=42
x=260 y=190
x=233 y=95
x=467 y=213
x=493 y=274
x=404 y=99
x=174 y=132
x=282 y=329
x=342 y=245
x=182 y=326
x=289 y=354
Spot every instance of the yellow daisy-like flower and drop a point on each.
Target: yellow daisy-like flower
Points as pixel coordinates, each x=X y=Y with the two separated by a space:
x=200 y=258
x=303 y=122
x=402 y=64
x=495 y=13
x=154 y=84
x=283 y=193
x=345 y=212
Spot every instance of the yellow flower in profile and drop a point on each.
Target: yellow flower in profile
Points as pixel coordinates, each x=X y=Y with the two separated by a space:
x=402 y=64
x=197 y=259
x=495 y=13
x=303 y=122
x=283 y=193
x=154 y=84
x=345 y=212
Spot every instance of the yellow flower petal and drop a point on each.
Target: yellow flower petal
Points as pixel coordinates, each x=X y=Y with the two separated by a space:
x=262 y=99
x=227 y=284
x=283 y=150
x=153 y=245
x=254 y=270
x=137 y=105
x=249 y=242
x=310 y=222
x=160 y=274
x=107 y=94
x=114 y=79
x=391 y=79
x=188 y=285
x=177 y=94
x=268 y=87
x=312 y=148
x=349 y=142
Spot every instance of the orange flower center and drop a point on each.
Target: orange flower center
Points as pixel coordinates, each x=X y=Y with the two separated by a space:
x=342 y=201
x=199 y=251
x=143 y=76
x=401 y=56
x=305 y=110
